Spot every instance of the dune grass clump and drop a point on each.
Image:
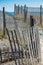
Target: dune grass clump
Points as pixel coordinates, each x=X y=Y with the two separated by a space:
x=3 y=36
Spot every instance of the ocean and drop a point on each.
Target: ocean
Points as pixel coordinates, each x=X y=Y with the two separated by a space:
x=12 y=13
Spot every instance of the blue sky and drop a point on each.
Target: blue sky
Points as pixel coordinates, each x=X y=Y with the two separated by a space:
x=9 y=4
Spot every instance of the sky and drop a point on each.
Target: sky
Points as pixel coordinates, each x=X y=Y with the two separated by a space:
x=9 y=4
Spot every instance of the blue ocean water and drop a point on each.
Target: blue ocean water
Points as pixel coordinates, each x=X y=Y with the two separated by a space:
x=35 y=13
x=12 y=13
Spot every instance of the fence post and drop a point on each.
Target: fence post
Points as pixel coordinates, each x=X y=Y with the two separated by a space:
x=31 y=21
x=4 y=22
x=41 y=14
x=21 y=9
x=18 y=9
x=25 y=13
x=14 y=9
